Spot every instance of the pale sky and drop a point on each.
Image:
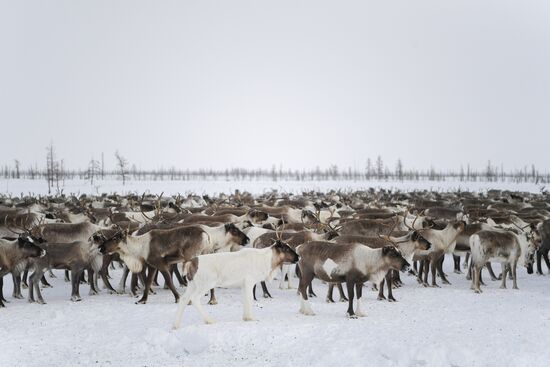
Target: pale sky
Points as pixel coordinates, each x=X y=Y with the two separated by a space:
x=254 y=83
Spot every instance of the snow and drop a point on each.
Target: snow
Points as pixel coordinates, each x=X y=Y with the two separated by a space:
x=450 y=326
x=39 y=187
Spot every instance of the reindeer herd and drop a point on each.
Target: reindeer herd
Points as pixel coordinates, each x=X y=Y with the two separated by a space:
x=241 y=240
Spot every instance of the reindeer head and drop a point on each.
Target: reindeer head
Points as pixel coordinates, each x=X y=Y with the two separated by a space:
x=394 y=259
x=257 y=216
x=283 y=253
x=235 y=235
x=420 y=242
x=28 y=246
x=110 y=245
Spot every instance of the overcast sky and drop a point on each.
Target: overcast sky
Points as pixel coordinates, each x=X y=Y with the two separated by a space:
x=252 y=83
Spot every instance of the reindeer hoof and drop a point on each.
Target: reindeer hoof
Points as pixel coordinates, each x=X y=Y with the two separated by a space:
x=209 y=321
x=354 y=316
x=330 y=300
x=141 y=302
x=213 y=302
x=478 y=291
x=41 y=302
x=24 y=286
x=458 y=272
x=515 y=288
x=18 y=296
x=31 y=300
x=391 y=299
x=248 y=318
x=44 y=286
x=381 y=298
x=360 y=314
x=435 y=285
x=446 y=282
x=344 y=299
x=76 y=299
x=307 y=312
x=267 y=295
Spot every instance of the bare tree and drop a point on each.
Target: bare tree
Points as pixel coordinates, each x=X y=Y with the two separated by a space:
x=399 y=169
x=102 y=167
x=122 y=165
x=17 y=175
x=50 y=166
x=379 y=167
x=93 y=170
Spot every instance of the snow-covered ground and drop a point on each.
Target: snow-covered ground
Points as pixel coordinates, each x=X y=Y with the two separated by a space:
x=18 y=187
x=450 y=326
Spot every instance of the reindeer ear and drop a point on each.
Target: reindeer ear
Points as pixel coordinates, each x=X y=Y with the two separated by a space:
x=386 y=250
x=414 y=236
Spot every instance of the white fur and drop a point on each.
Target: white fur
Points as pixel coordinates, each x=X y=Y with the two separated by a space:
x=240 y=269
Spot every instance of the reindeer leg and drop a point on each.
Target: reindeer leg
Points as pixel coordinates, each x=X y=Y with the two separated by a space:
x=329 y=293
x=16 y=286
x=310 y=290
x=426 y=272
x=213 y=300
x=514 y=268
x=24 y=283
x=343 y=297
x=359 y=290
x=134 y=284
x=196 y=301
x=305 y=279
x=546 y=260
x=456 y=259
x=177 y=273
x=469 y=274
x=396 y=279
x=466 y=260
x=389 y=281
x=76 y=275
x=168 y=280
x=184 y=300
x=67 y=276
x=491 y=272
x=2 y=299
x=265 y=290
x=504 y=272
x=477 y=273
x=107 y=260
x=420 y=272
x=539 y=262
x=51 y=274
x=442 y=274
x=350 y=285
x=433 y=268
x=148 y=283
x=93 y=289
x=247 y=301
x=381 y=296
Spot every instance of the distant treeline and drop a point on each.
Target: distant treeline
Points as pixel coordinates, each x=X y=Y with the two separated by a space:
x=55 y=173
